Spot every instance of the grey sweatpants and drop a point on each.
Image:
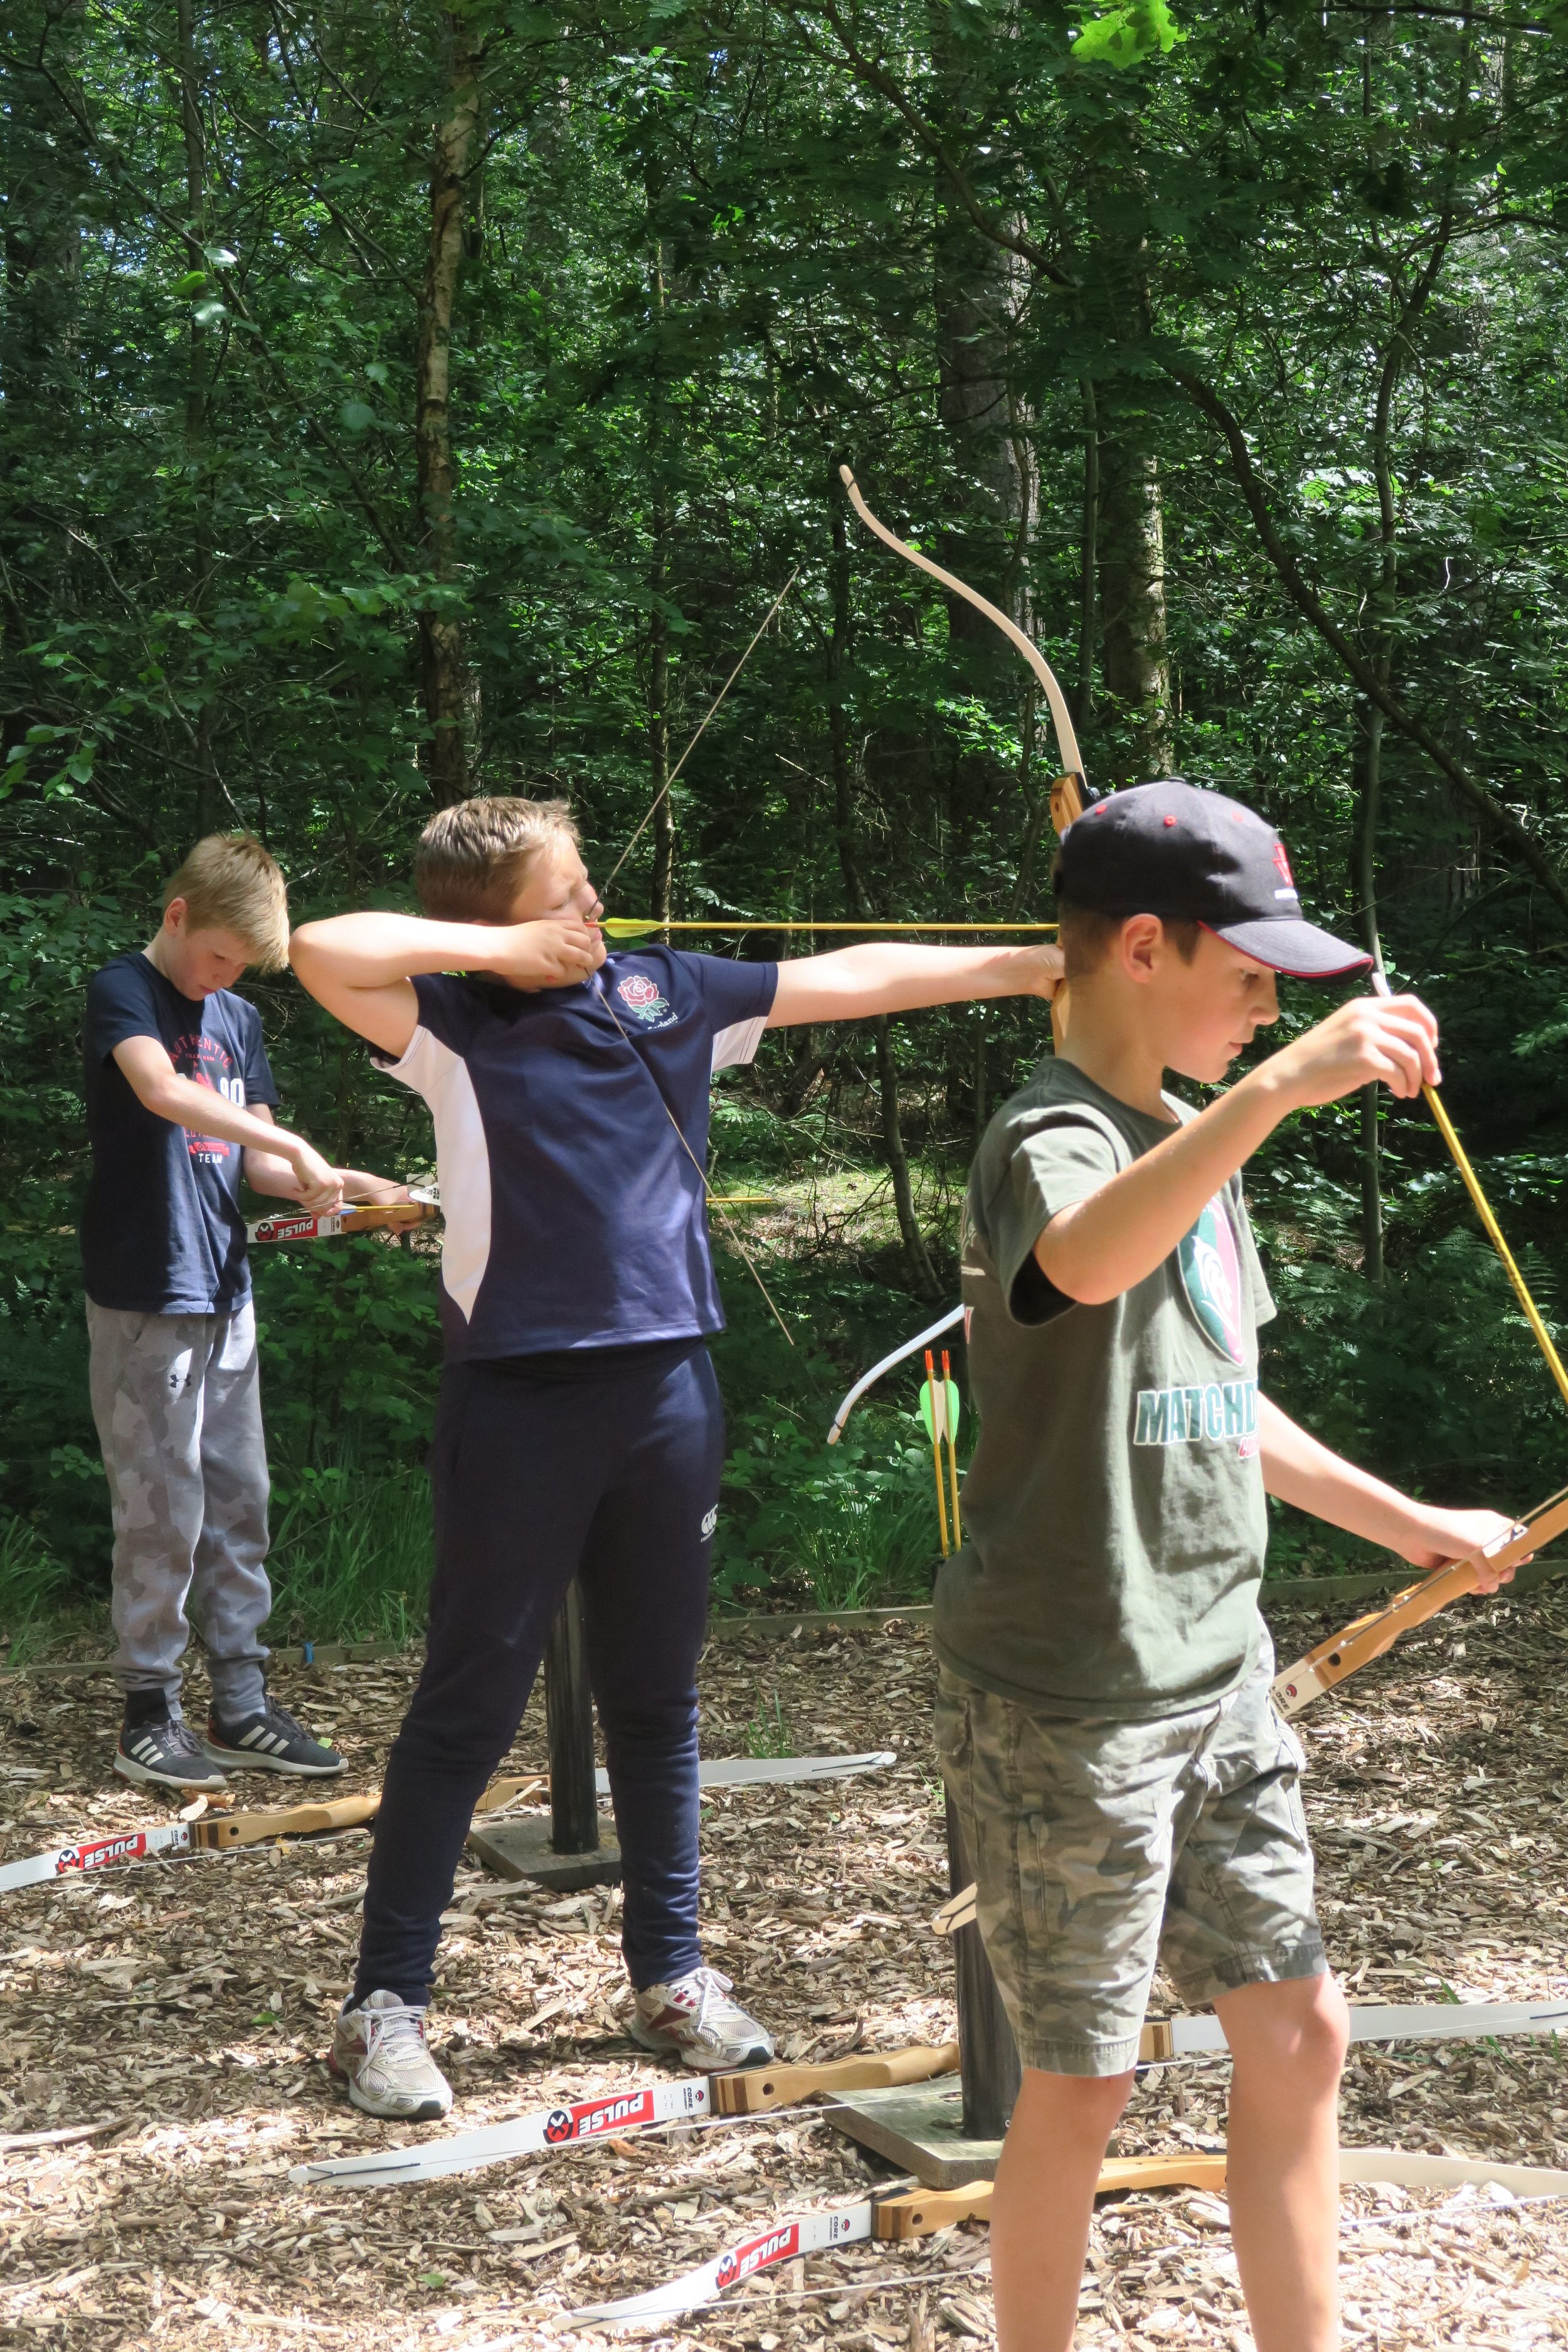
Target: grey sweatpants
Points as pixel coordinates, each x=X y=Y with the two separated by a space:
x=178 y=1407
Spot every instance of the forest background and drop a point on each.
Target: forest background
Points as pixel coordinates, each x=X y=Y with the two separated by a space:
x=399 y=402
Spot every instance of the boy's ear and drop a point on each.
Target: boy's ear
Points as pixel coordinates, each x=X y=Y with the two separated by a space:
x=175 y=913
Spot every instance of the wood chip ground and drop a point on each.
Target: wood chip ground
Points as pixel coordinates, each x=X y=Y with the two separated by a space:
x=187 y=2006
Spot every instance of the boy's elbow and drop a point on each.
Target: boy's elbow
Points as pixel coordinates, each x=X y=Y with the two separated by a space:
x=160 y=1096
x=1062 y=1271
x=310 y=958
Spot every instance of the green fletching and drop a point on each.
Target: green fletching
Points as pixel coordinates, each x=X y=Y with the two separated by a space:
x=927 y=1410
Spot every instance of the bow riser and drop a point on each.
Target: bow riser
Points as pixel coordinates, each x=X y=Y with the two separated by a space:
x=1370 y=1636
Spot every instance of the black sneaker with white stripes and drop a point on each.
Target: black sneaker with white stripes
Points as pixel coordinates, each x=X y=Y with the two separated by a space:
x=270 y=1741
x=158 y=1749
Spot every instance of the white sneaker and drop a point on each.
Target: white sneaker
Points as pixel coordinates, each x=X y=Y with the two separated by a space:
x=379 y=2051
x=693 y=2017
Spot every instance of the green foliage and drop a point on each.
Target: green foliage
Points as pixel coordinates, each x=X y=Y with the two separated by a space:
x=1125 y=36
x=351 y=1556
x=707 y=254
x=770 y=1735
x=35 y=1588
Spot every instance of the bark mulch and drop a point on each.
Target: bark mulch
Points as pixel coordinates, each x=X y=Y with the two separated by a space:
x=183 y=2007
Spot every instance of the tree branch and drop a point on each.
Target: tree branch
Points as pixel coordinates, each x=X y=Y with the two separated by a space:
x=877 y=77
x=1497 y=818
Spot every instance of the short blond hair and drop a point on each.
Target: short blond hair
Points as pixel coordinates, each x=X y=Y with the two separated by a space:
x=473 y=858
x=230 y=882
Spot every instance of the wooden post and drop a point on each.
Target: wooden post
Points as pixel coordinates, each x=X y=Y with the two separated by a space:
x=988 y=2055
x=569 y=1728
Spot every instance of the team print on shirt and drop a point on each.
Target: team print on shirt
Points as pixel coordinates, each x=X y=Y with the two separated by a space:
x=208 y=1061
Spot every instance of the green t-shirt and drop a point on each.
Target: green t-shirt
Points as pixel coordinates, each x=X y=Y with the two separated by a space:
x=1114 y=1513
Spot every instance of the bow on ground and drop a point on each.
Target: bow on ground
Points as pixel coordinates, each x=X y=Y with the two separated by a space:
x=920 y=2212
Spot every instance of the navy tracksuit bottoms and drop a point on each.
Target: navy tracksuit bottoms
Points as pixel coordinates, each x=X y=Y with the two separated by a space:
x=602 y=1464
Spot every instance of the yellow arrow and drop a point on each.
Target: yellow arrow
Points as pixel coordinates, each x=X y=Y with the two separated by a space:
x=627 y=927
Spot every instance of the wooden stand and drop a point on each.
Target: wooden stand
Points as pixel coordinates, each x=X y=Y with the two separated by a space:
x=570 y=1853
x=948 y=2133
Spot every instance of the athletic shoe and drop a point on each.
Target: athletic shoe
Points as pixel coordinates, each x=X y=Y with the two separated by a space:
x=270 y=1742
x=162 y=1751
x=695 y=2018
x=379 y=2051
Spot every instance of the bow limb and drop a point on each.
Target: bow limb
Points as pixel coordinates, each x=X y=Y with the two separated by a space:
x=1063 y=811
x=1068 y=791
x=943 y=1323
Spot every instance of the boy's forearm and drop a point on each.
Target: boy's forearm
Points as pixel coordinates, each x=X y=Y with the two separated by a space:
x=1298 y=1470
x=1102 y=1247
x=853 y=983
x=270 y=1173
x=204 y=1112
x=371 y=950
x=266 y=1172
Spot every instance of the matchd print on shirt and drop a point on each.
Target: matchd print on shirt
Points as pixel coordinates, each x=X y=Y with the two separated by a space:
x=1220 y=1411
x=1114 y=1508
x=161 y=1231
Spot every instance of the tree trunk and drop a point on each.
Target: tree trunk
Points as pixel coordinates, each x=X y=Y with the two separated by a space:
x=658 y=625
x=844 y=830
x=443 y=682
x=1368 y=722
x=197 y=458
x=1369 y=789
x=854 y=895
x=1132 y=534
x=45 y=182
x=1089 y=557
x=1130 y=522
x=986 y=430
x=978 y=288
x=915 y=1250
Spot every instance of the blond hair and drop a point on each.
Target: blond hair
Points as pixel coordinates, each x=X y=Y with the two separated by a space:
x=473 y=858
x=230 y=882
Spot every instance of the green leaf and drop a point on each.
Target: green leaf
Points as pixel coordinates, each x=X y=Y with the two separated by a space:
x=355 y=417
x=1126 y=36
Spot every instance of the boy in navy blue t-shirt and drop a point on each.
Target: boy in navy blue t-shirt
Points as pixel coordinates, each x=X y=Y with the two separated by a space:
x=179 y=1098
x=579 y=1431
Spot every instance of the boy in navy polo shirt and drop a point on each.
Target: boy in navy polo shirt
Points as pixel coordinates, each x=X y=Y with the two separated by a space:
x=579 y=1431
x=179 y=1096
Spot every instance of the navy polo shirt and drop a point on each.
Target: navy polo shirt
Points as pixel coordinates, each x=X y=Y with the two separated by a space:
x=161 y=1231
x=574 y=1217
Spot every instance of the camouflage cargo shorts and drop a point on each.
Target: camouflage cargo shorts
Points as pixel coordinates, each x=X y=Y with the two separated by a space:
x=1100 y=1847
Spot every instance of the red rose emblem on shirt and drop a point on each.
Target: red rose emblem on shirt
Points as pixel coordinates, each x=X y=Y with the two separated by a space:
x=636 y=990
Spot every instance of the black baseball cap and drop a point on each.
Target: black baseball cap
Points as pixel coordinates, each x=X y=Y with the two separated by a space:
x=1192 y=856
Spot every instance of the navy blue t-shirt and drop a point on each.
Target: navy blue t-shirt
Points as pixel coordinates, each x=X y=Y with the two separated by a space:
x=574 y=1218
x=162 y=1233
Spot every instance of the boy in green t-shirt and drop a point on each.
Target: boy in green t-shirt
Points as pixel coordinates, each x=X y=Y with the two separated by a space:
x=1124 y=1787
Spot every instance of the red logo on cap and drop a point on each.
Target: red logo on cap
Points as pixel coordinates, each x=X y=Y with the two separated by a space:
x=1283 y=862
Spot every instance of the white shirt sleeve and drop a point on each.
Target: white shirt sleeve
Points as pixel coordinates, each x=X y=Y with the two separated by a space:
x=735 y=1046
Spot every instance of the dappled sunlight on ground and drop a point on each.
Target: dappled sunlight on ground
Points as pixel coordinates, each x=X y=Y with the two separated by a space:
x=186 y=2006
